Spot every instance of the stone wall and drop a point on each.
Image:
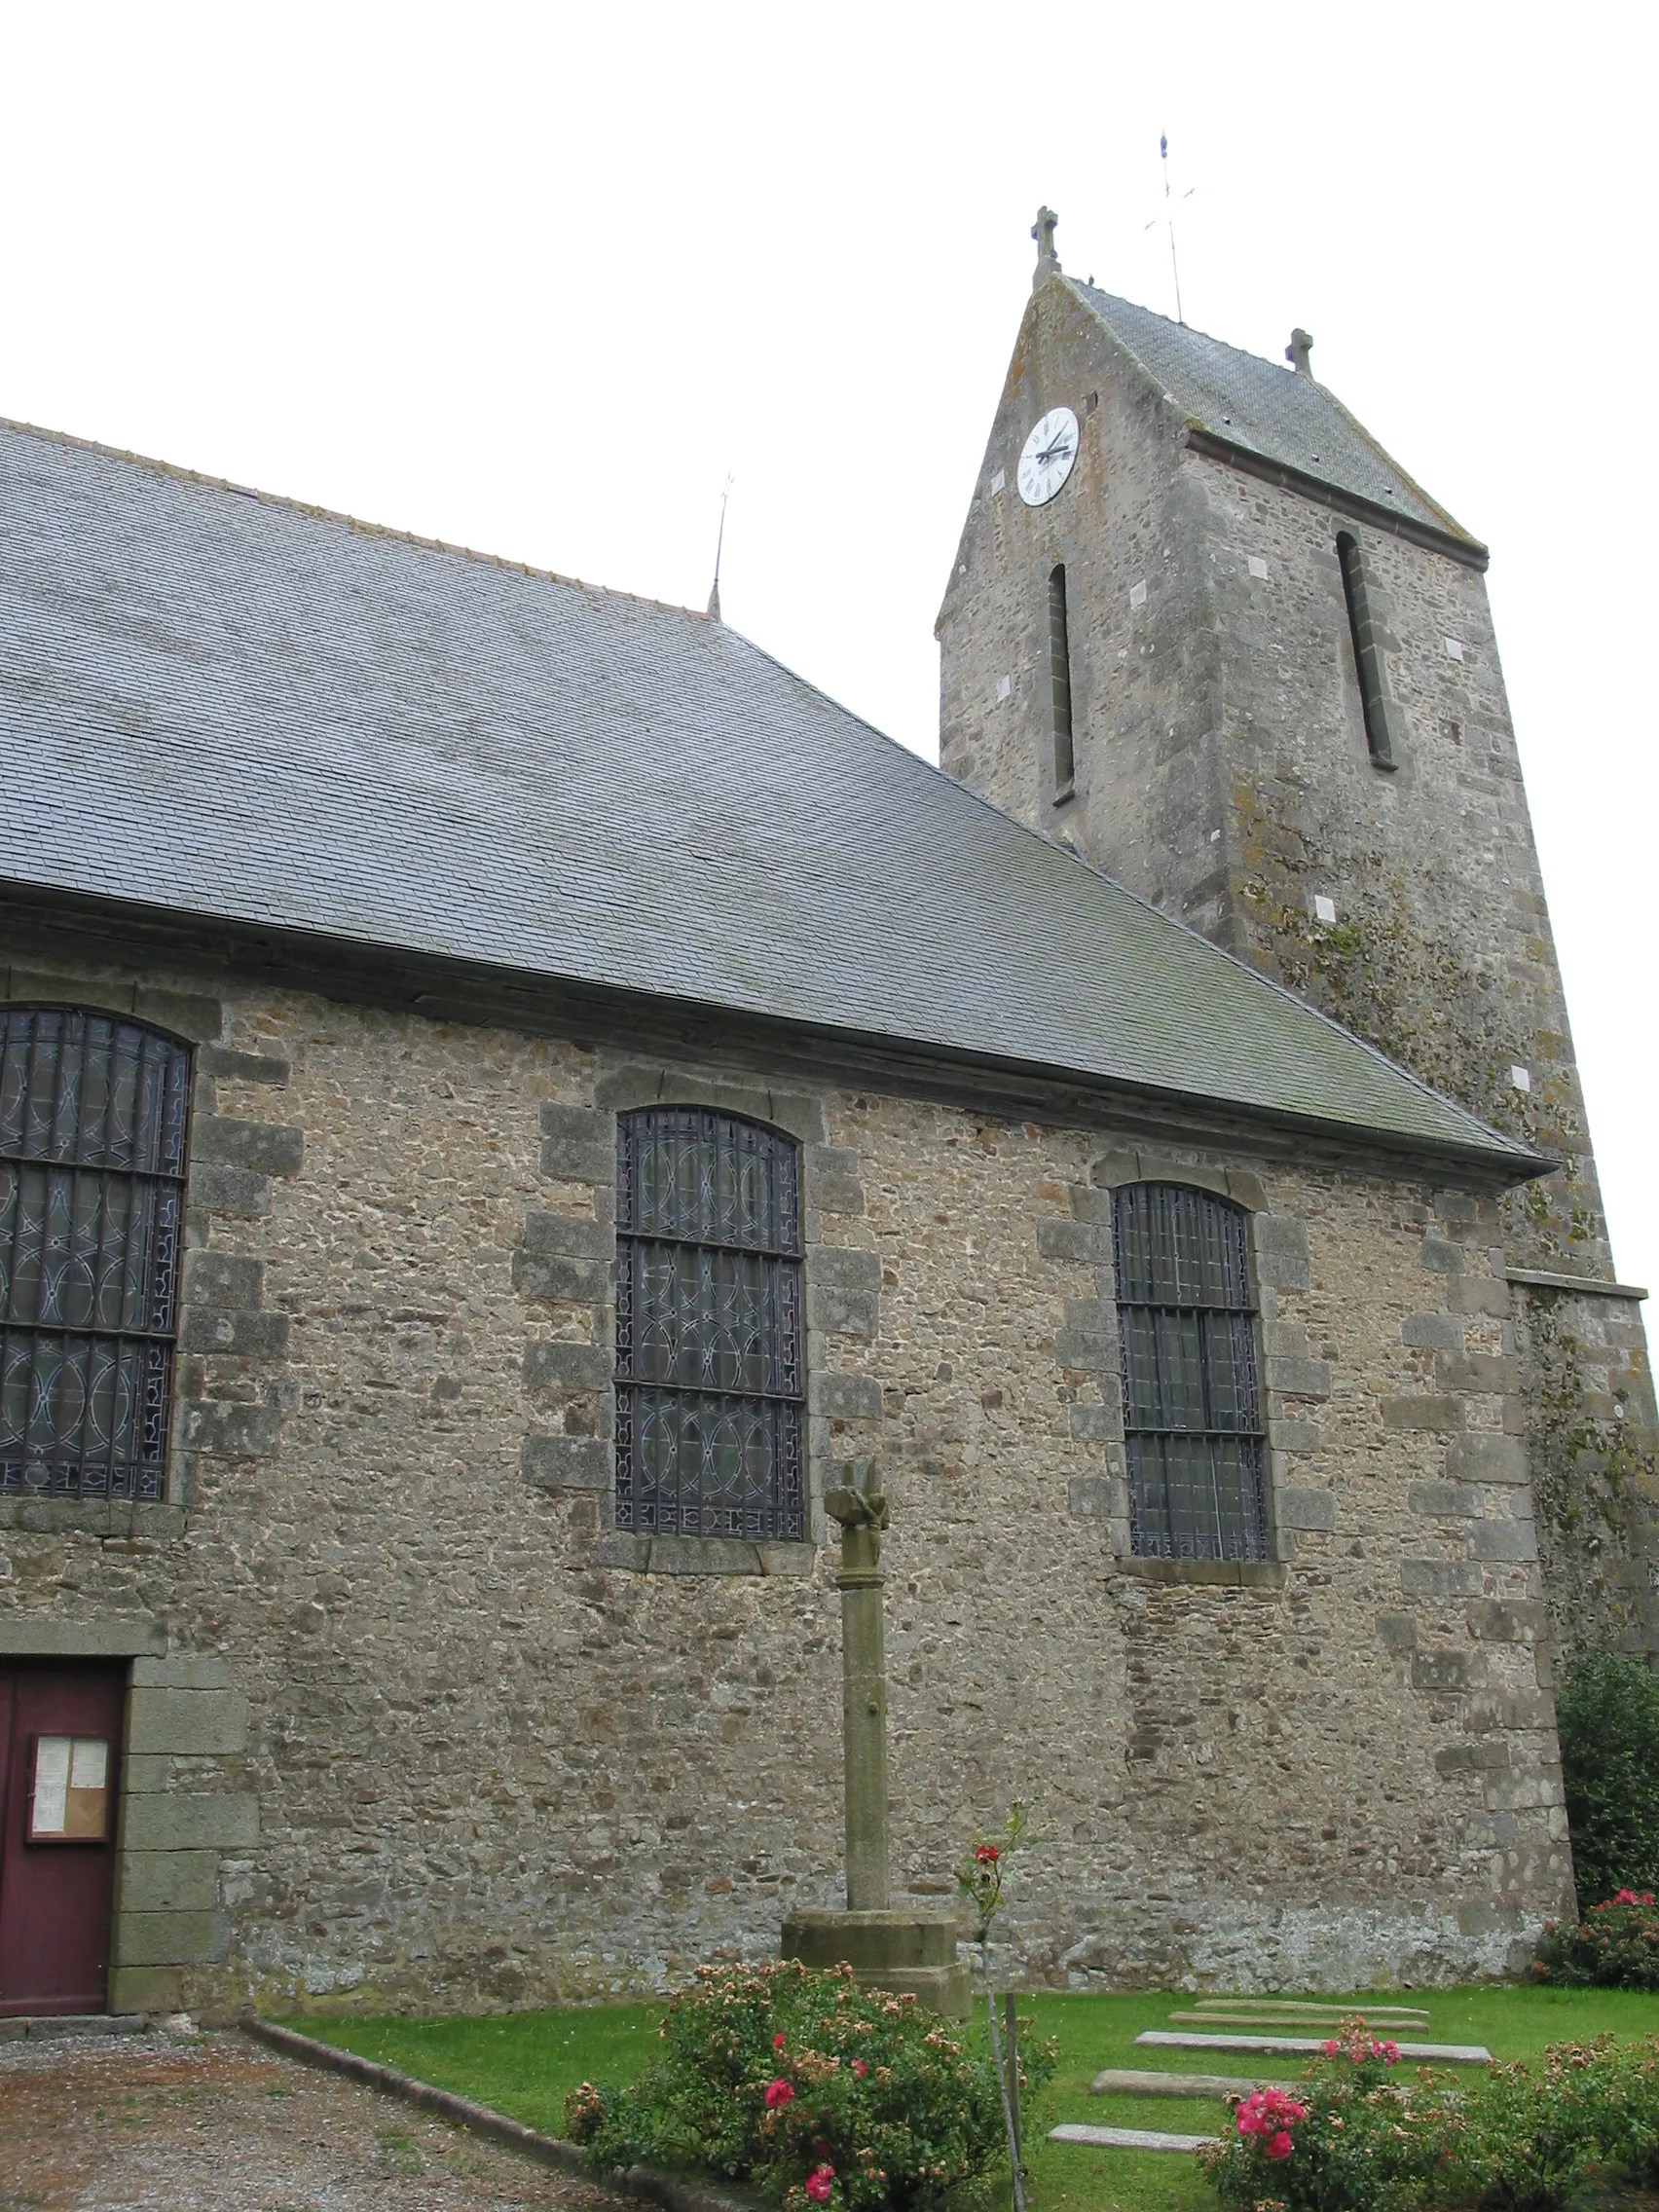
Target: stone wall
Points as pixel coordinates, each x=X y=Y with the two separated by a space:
x=414 y=1726
x=1222 y=771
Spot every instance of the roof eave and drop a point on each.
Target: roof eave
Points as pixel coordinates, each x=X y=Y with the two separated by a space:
x=1201 y=438
x=446 y=988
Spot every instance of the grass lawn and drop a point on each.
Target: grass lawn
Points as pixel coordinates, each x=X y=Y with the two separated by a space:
x=524 y=2064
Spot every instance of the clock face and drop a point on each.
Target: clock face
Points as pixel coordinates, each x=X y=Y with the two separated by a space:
x=1047 y=461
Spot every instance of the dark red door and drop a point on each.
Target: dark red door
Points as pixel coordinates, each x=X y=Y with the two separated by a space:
x=60 y=1756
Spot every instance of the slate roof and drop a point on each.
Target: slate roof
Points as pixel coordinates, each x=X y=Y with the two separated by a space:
x=1266 y=408
x=221 y=704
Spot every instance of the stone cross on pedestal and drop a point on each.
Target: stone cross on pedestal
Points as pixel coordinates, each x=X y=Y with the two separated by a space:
x=902 y=1951
x=863 y=1515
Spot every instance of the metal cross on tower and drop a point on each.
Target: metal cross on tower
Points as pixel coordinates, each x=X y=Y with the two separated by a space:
x=1166 y=218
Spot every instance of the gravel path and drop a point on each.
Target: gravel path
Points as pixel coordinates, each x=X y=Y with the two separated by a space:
x=137 y=2124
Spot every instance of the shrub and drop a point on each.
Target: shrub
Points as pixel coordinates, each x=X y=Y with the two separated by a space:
x=1614 y=1946
x=814 y=2090
x=1510 y=2140
x=1348 y=2141
x=1608 y=1713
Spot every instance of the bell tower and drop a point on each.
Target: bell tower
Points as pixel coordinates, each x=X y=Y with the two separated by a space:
x=1215 y=638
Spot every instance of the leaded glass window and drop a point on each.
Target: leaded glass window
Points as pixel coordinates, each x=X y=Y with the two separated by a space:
x=711 y=1363
x=93 y=1119
x=1192 y=1406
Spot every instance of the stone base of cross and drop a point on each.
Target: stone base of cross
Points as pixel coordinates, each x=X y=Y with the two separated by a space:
x=905 y=1951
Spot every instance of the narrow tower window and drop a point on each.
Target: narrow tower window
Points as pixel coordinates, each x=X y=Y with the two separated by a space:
x=1060 y=683
x=1367 y=653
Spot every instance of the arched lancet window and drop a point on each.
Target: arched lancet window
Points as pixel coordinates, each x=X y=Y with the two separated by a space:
x=711 y=1360
x=1192 y=1406
x=94 y=1112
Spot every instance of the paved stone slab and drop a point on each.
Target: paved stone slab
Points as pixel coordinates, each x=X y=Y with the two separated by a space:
x=1306 y=2009
x=1131 y=2082
x=1445 y=2053
x=1128 y=2138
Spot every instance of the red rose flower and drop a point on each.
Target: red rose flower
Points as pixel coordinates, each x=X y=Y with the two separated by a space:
x=860 y=2068
x=986 y=1855
x=1280 y=2145
x=817 y=2183
x=778 y=2040
x=778 y=2094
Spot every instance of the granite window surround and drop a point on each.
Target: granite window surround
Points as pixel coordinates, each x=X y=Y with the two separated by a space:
x=225 y=1334
x=566 y=1264
x=1278 y=1246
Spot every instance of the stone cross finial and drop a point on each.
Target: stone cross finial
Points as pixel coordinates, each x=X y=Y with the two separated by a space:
x=1043 y=231
x=1298 y=350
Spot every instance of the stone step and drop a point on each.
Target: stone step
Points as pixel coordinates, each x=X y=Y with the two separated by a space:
x=1295 y=2008
x=1377 y=2026
x=1130 y=2082
x=1311 y=2046
x=1128 y=2138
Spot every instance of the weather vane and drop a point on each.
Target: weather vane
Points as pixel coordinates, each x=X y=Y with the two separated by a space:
x=1166 y=218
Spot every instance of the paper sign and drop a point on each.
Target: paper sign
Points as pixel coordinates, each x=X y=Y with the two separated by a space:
x=70 y=1801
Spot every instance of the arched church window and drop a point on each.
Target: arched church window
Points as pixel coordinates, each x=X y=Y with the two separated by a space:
x=1192 y=1407
x=1059 y=683
x=1366 y=652
x=94 y=1113
x=711 y=1359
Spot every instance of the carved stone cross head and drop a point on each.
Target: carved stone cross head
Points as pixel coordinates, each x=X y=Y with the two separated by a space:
x=1043 y=231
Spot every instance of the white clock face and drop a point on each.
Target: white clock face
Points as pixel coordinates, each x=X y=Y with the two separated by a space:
x=1047 y=461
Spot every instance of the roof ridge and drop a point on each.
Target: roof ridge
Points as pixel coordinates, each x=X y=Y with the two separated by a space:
x=314 y=512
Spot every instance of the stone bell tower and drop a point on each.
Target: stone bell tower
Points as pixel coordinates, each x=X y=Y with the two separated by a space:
x=1205 y=630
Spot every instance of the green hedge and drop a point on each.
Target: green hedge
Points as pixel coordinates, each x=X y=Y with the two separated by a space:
x=1609 y=1712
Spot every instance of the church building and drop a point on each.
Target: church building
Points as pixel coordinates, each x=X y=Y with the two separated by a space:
x=507 y=1093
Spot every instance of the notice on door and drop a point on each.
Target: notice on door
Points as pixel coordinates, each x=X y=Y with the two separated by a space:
x=69 y=1802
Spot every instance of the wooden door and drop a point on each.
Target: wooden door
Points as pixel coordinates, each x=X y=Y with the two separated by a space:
x=60 y=1757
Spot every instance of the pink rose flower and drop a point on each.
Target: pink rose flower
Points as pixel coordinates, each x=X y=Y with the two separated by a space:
x=817 y=2183
x=860 y=2068
x=778 y=2094
x=778 y=2040
x=1280 y=2145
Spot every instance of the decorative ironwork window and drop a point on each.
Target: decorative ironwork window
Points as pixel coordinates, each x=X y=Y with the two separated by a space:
x=92 y=1118
x=711 y=1366
x=1192 y=1407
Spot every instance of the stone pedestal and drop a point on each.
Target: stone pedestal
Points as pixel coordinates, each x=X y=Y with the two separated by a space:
x=906 y=1952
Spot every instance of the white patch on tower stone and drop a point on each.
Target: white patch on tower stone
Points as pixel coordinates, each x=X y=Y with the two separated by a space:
x=1258 y=566
x=1454 y=647
x=1521 y=1078
x=998 y=483
x=1137 y=593
x=1324 y=909
x=1005 y=684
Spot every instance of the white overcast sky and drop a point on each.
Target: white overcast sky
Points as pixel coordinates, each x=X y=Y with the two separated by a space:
x=535 y=279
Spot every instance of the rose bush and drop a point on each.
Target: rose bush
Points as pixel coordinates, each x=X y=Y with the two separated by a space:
x=814 y=2091
x=1614 y=1946
x=1514 y=2139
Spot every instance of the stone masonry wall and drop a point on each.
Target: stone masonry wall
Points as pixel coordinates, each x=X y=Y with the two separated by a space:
x=417 y=1728
x=1222 y=771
